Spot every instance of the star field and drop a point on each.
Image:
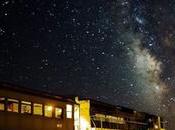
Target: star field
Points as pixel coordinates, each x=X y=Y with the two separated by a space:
x=118 y=51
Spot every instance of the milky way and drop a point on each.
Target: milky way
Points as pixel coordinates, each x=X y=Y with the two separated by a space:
x=118 y=51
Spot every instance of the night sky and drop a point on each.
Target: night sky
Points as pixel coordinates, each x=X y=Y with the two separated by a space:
x=117 y=51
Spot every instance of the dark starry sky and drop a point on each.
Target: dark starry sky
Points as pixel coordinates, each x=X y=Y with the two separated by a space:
x=118 y=51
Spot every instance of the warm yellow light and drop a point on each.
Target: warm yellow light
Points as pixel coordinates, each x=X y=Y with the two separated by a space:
x=156 y=126
x=69 y=111
x=83 y=124
x=49 y=108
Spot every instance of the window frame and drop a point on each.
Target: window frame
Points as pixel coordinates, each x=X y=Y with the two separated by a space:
x=13 y=100
x=22 y=103
x=42 y=109
x=53 y=108
x=69 y=111
x=3 y=103
x=57 y=107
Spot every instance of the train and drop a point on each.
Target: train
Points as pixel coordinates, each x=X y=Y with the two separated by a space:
x=22 y=108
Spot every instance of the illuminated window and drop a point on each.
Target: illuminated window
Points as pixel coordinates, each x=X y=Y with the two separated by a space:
x=26 y=107
x=12 y=105
x=69 y=111
x=37 y=109
x=58 y=112
x=2 y=102
x=48 y=111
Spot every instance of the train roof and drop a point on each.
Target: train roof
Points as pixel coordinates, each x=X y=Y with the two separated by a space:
x=35 y=92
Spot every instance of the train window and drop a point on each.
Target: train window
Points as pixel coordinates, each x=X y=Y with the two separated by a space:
x=69 y=111
x=48 y=111
x=37 y=109
x=2 y=102
x=58 y=112
x=12 y=105
x=26 y=107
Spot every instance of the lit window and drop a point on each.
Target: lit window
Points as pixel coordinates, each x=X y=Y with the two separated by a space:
x=48 y=111
x=69 y=111
x=58 y=112
x=12 y=105
x=25 y=107
x=2 y=102
x=37 y=109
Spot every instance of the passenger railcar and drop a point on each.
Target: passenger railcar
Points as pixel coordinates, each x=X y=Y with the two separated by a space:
x=23 y=109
